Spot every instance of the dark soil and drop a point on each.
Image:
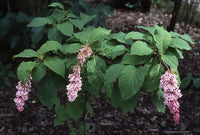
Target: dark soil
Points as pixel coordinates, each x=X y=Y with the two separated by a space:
x=36 y=119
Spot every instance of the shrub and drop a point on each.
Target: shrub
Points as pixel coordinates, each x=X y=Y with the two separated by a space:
x=95 y=62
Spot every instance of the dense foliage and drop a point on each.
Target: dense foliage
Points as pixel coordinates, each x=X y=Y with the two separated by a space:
x=6 y=74
x=15 y=34
x=191 y=81
x=13 y=30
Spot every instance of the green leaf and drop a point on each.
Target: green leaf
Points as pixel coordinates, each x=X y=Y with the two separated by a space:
x=186 y=81
x=91 y=34
x=24 y=70
x=162 y=39
x=47 y=91
x=152 y=81
x=116 y=98
x=54 y=34
x=177 y=76
x=14 y=41
x=70 y=62
x=56 y=4
x=110 y=51
x=65 y=28
x=105 y=50
x=11 y=74
x=135 y=36
x=196 y=83
x=37 y=34
x=75 y=109
x=56 y=64
x=112 y=73
x=170 y=59
x=151 y=30
x=120 y=37
x=141 y=48
x=70 y=14
x=89 y=107
x=95 y=73
x=96 y=64
x=130 y=81
x=57 y=16
x=27 y=53
x=49 y=46
x=77 y=22
x=39 y=21
x=21 y=17
x=185 y=37
x=127 y=105
x=158 y=100
x=73 y=132
x=60 y=82
x=180 y=44
x=134 y=59
x=86 y=5
x=91 y=66
x=179 y=53
x=124 y=105
x=117 y=51
x=38 y=72
x=84 y=19
x=98 y=33
x=6 y=82
x=72 y=48
x=84 y=35
x=61 y=114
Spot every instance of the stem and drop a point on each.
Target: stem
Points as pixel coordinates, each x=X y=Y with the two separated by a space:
x=69 y=125
x=84 y=112
x=95 y=63
x=161 y=61
x=58 y=53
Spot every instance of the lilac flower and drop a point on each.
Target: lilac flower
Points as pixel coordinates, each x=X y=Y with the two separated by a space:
x=84 y=52
x=172 y=93
x=75 y=84
x=22 y=93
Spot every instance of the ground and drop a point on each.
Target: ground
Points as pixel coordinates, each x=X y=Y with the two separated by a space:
x=36 y=119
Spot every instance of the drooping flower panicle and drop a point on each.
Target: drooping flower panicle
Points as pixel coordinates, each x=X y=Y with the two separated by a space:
x=84 y=52
x=22 y=93
x=75 y=84
x=75 y=79
x=172 y=93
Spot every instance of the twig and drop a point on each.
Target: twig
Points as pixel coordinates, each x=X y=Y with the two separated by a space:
x=177 y=132
x=6 y=115
x=84 y=112
x=153 y=130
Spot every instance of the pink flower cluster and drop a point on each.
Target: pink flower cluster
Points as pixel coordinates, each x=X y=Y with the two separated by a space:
x=84 y=52
x=22 y=93
x=75 y=84
x=172 y=92
x=75 y=79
